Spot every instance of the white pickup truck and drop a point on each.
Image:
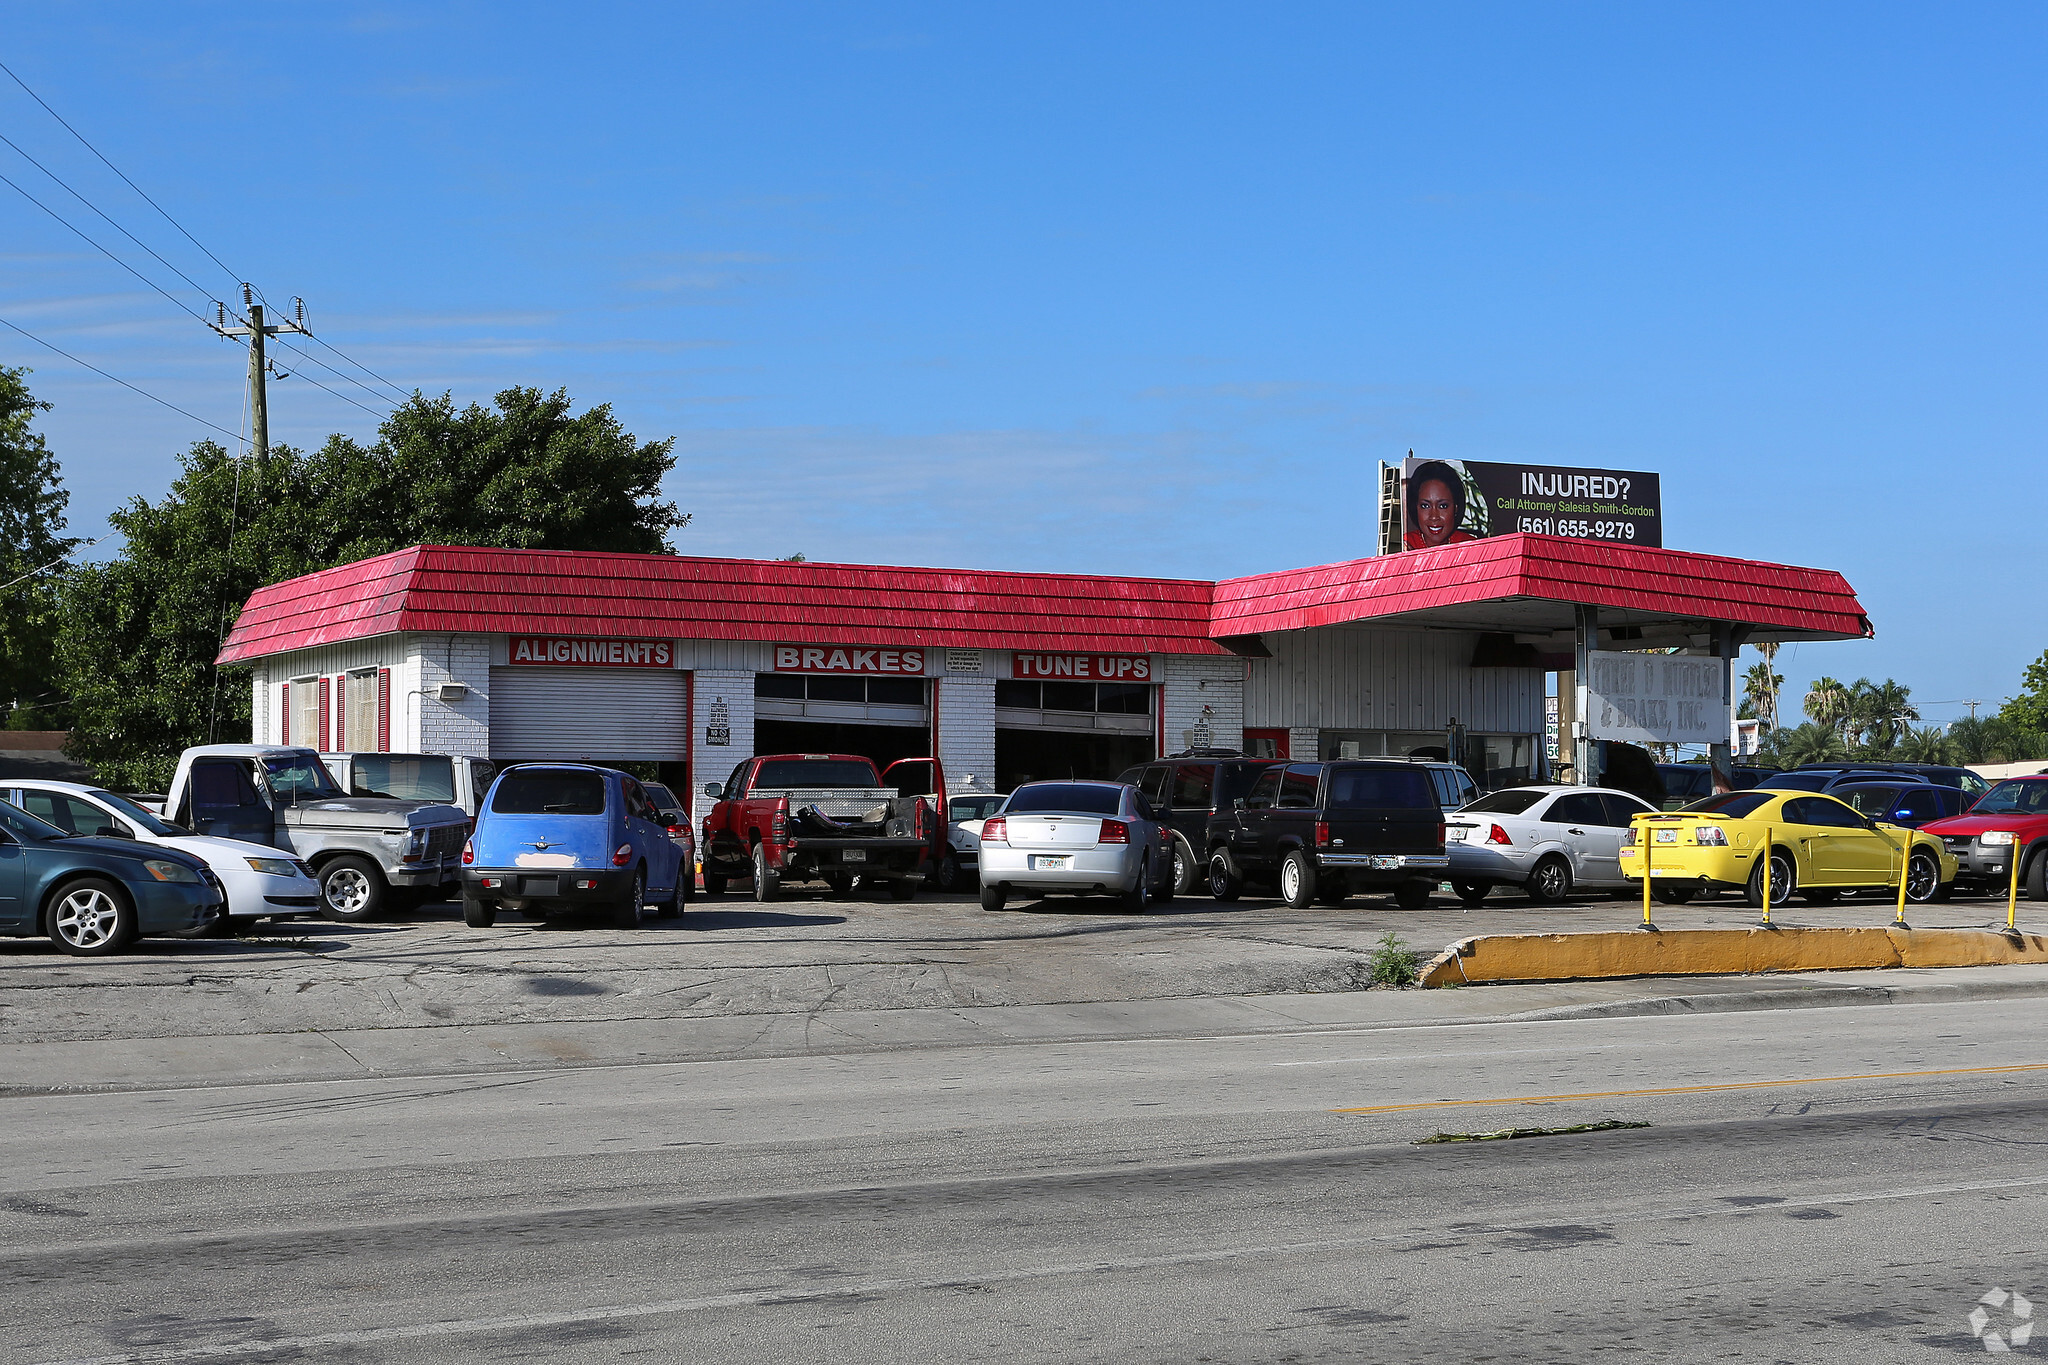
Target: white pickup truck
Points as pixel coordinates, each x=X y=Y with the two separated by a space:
x=370 y=853
x=452 y=778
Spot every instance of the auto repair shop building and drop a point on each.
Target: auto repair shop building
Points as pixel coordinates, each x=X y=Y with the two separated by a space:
x=697 y=663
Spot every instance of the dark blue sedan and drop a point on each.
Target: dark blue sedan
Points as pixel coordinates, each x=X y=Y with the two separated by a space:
x=94 y=896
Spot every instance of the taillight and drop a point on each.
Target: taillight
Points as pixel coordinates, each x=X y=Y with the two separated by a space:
x=1497 y=835
x=678 y=831
x=995 y=830
x=1628 y=840
x=924 y=819
x=778 y=829
x=468 y=853
x=623 y=856
x=1440 y=828
x=1114 y=832
x=1323 y=832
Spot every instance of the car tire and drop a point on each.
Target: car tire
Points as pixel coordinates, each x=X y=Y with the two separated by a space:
x=1333 y=891
x=1674 y=895
x=841 y=884
x=1923 y=871
x=352 y=889
x=714 y=885
x=478 y=914
x=1297 y=880
x=1225 y=882
x=1134 y=901
x=1186 y=870
x=2035 y=884
x=1784 y=880
x=948 y=874
x=1550 y=881
x=1413 y=895
x=902 y=888
x=1471 y=893
x=686 y=884
x=764 y=878
x=628 y=910
x=1169 y=885
x=672 y=905
x=91 y=917
x=993 y=897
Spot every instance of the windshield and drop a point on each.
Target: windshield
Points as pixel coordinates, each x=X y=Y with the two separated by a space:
x=2013 y=798
x=545 y=792
x=1512 y=802
x=300 y=775
x=1733 y=804
x=817 y=772
x=661 y=796
x=135 y=814
x=1081 y=798
x=1797 y=782
x=973 y=807
x=430 y=778
x=17 y=821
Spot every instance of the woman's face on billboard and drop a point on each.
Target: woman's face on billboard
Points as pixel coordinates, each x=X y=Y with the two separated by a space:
x=1436 y=512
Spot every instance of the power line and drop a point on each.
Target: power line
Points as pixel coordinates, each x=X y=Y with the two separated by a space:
x=102 y=250
x=344 y=378
x=165 y=402
x=324 y=389
x=116 y=170
x=402 y=394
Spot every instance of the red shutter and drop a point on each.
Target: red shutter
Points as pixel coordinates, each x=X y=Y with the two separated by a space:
x=284 y=716
x=323 y=715
x=341 y=712
x=383 y=710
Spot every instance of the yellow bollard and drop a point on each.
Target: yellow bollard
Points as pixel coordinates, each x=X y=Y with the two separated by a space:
x=1905 y=864
x=1766 y=856
x=1643 y=849
x=2012 y=897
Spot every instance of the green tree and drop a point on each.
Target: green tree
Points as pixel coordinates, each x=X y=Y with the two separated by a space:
x=1992 y=739
x=32 y=505
x=1828 y=703
x=2029 y=710
x=140 y=632
x=1761 y=686
x=1809 y=743
x=1926 y=745
x=1878 y=713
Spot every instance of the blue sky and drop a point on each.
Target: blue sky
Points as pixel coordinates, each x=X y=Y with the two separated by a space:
x=1120 y=289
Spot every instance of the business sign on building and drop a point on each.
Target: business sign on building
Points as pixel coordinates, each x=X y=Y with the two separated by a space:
x=1443 y=502
x=549 y=649
x=841 y=659
x=1094 y=667
x=1655 y=698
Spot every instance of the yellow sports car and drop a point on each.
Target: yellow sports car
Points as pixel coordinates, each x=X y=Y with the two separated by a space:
x=1820 y=847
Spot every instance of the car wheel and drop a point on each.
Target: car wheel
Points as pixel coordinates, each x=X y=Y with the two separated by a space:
x=627 y=911
x=1413 y=895
x=948 y=876
x=352 y=889
x=1784 y=877
x=764 y=880
x=1169 y=885
x=714 y=885
x=1139 y=896
x=1471 y=893
x=1923 y=877
x=91 y=917
x=1675 y=895
x=1224 y=882
x=686 y=884
x=1297 y=880
x=671 y=905
x=902 y=888
x=993 y=897
x=2037 y=877
x=1550 y=881
x=478 y=914
x=1186 y=871
x=841 y=883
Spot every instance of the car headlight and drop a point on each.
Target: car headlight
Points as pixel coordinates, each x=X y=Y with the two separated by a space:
x=1710 y=836
x=275 y=867
x=166 y=871
x=1992 y=838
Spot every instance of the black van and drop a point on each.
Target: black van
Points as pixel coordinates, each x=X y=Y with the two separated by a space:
x=1323 y=831
x=1185 y=789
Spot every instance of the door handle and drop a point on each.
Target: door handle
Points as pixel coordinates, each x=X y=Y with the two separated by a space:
x=1574 y=831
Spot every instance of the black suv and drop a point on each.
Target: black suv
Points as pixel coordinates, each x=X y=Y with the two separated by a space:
x=1185 y=789
x=1941 y=774
x=1321 y=831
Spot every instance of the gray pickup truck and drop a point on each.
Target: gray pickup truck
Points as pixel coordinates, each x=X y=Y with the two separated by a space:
x=370 y=853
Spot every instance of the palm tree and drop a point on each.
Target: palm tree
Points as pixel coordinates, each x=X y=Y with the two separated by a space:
x=1827 y=702
x=1760 y=687
x=1987 y=739
x=1810 y=743
x=1878 y=711
x=1926 y=745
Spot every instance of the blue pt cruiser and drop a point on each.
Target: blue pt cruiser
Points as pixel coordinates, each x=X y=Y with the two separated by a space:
x=94 y=896
x=570 y=836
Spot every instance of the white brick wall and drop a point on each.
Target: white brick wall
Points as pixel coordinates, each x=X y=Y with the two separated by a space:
x=1192 y=682
x=967 y=732
x=1301 y=744
x=441 y=727
x=714 y=764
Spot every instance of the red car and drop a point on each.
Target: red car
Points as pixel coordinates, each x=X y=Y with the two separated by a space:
x=2008 y=822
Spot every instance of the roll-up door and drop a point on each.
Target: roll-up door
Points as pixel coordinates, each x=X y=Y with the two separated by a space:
x=596 y=713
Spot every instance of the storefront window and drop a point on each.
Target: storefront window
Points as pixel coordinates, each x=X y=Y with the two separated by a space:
x=1116 y=699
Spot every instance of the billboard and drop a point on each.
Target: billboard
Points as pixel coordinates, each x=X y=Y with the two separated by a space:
x=1425 y=503
x=1655 y=698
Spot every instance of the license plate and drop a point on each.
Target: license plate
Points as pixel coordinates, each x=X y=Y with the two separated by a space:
x=1455 y=833
x=1667 y=836
x=854 y=855
x=543 y=886
x=1384 y=861
x=1040 y=863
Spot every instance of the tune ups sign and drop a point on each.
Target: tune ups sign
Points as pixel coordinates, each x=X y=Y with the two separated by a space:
x=1088 y=667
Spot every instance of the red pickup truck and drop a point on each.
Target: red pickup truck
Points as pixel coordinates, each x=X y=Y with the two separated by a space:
x=2008 y=822
x=825 y=817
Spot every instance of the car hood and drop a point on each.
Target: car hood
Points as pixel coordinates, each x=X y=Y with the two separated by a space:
x=125 y=848
x=371 y=811
x=2029 y=825
x=214 y=849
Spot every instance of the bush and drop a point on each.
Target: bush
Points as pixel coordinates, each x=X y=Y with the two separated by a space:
x=1393 y=962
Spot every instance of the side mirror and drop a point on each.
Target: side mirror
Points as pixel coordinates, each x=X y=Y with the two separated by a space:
x=715 y=790
x=1237 y=803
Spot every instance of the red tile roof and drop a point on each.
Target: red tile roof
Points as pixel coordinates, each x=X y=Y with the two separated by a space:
x=1506 y=582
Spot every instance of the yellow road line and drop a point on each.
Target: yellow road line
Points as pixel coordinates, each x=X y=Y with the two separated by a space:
x=1697 y=1089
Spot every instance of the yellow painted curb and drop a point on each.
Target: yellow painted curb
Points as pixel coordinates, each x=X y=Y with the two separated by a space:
x=1721 y=952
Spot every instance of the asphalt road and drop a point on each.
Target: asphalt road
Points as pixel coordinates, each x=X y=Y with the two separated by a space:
x=1828 y=1184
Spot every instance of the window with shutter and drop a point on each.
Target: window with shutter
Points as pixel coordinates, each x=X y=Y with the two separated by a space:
x=324 y=732
x=383 y=710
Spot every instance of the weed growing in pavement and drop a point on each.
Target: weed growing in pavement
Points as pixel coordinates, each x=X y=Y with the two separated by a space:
x=1393 y=962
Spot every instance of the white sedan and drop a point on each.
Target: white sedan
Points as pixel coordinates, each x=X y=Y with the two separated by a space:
x=964 y=818
x=259 y=880
x=1076 y=839
x=1545 y=840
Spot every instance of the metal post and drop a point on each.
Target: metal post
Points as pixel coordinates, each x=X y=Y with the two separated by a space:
x=2012 y=897
x=1905 y=865
x=1643 y=850
x=1720 y=756
x=1768 y=846
x=1585 y=637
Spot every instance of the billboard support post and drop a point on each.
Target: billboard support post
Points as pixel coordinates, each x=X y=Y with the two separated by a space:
x=1720 y=757
x=1585 y=639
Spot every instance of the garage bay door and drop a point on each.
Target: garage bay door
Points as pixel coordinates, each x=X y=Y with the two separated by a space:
x=596 y=713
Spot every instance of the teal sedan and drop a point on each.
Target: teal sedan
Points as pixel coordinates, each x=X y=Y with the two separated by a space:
x=93 y=896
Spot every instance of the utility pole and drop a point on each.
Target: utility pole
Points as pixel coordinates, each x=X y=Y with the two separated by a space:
x=259 y=367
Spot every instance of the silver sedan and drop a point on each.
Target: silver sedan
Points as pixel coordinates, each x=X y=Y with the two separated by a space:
x=1076 y=839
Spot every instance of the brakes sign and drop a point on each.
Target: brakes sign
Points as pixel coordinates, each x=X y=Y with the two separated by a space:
x=1094 y=667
